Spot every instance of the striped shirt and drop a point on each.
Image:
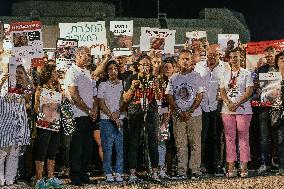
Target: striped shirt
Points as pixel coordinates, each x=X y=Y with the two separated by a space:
x=14 y=128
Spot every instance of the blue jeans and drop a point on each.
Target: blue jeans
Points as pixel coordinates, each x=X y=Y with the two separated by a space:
x=111 y=135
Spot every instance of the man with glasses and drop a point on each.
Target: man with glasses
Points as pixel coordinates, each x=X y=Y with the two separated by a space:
x=212 y=71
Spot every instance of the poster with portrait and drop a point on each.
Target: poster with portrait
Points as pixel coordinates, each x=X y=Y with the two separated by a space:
x=65 y=53
x=270 y=87
x=121 y=37
x=17 y=69
x=159 y=40
x=27 y=39
x=198 y=42
x=184 y=96
x=255 y=56
x=7 y=38
x=227 y=43
x=90 y=34
x=49 y=110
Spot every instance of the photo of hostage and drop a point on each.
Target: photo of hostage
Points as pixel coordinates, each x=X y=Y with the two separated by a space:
x=157 y=43
x=20 y=39
x=51 y=112
x=122 y=41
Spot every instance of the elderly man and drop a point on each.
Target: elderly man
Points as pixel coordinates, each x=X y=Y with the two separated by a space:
x=83 y=96
x=211 y=71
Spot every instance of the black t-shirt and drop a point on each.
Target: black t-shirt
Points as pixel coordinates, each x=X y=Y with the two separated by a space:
x=143 y=95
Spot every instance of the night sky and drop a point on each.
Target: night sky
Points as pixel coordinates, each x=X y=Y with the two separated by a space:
x=264 y=19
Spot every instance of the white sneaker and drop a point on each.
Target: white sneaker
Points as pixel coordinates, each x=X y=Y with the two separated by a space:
x=163 y=174
x=109 y=178
x=118 y=177
x=156 y=177
x=262 y=169
x=133 y=179
x=2 y=182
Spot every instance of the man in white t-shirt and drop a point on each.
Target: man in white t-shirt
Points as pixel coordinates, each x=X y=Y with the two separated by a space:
x=83 y=97
x=184 y=93
x=211 y=71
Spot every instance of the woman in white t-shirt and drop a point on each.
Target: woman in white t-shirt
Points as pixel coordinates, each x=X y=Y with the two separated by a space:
x=236 y=88
x=109 y=97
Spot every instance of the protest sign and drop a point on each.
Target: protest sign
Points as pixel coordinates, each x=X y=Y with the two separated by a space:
x=121 y=36
x=160 y=40
x=227 y=43
x=90 y=34
x=65 y=53
x=198 y=42
x=49 y=110
x=27 y=39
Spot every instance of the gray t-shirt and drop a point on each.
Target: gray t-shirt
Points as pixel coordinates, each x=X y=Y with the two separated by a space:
x=184 y=88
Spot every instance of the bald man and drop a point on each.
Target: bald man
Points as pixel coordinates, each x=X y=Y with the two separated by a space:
x=211 y=70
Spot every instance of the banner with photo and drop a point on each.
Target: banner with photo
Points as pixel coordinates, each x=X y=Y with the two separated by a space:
x=227 y=43
x=121 y=37
x=91 y=34
x=160 y=40
x=65 y=53
x=198 y=42
x=270 y=87
x=49 y=110
x=17 y=71
x=255 y=52
x=27 y=39
x=7 y=38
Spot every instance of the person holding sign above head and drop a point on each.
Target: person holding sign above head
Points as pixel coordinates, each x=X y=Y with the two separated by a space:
x=236 y=88
x=83 y=97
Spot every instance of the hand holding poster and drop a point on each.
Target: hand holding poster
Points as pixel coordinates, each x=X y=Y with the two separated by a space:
x=65 y=53
x=161 y=40
x=49 y=110
x=121 y=34
x=270 y=85
x=91 y=34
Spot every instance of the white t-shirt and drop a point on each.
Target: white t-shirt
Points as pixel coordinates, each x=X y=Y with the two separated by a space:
x=81 y=78
x=111 y=95
x=243 y=80
x=186 y=87
x=211 y=84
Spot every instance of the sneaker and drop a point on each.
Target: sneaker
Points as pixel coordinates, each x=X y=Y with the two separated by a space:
x=179 y=177
x=40 y=184
x=54 y=183
x=118 y=177
x=64 y=172
x=2 y=182
x=196 y=176
x=133 y=178
x=280 y=172
x=262 y=169
x=156 y=177
x=163 y=174
x=109 y=178
x=219 y=172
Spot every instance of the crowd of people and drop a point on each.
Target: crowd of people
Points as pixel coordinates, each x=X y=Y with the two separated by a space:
x=147 y=109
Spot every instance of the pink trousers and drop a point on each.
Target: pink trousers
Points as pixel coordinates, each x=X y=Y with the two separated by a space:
x=233 y=123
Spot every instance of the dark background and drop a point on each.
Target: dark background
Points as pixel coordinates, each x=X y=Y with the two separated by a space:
x=265 y=19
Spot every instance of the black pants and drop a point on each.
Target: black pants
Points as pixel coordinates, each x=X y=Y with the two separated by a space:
x=136 y=124
x=265 y=139
x=209 y=138
x=81 y=147
x=281 y=143
x=47 y=144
